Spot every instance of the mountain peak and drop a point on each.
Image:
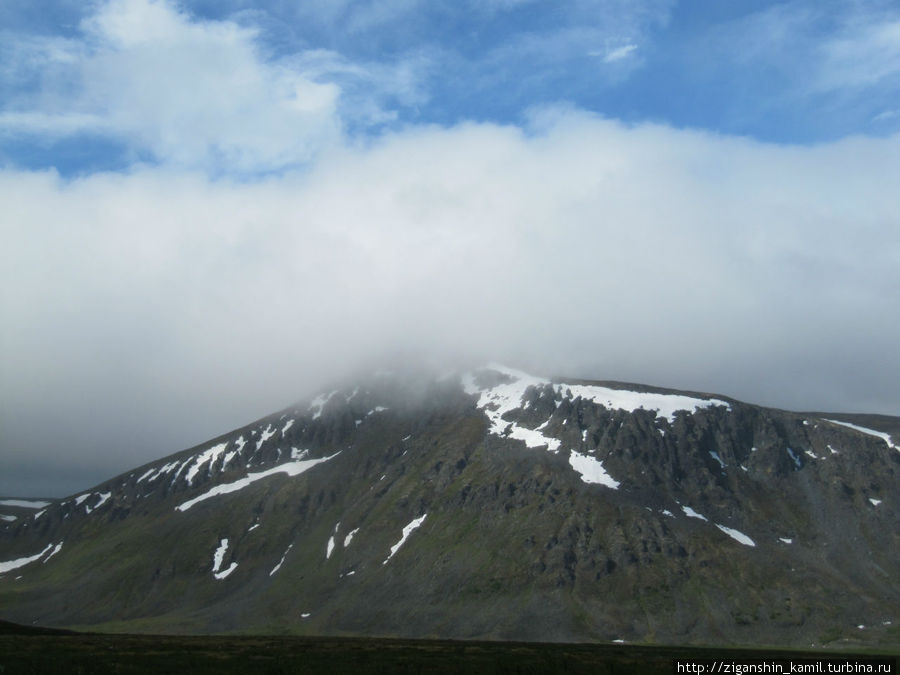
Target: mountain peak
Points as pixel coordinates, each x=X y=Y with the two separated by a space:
x=484 y=502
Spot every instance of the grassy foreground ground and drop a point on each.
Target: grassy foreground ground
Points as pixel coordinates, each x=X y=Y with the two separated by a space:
x=34 y=650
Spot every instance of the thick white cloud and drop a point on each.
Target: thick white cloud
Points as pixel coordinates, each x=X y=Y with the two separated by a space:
x=188 y=305
x=144 y=311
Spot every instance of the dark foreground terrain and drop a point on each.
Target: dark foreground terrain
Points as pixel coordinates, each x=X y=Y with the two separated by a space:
x=34 y=650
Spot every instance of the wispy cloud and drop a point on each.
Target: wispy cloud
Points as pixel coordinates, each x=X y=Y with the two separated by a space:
x=188 y=93
x=619 y=53
x=886 y=116
x=175 y=88
x=864 y=55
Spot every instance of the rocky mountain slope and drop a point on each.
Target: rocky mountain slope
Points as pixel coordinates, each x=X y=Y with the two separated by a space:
x=486 y=504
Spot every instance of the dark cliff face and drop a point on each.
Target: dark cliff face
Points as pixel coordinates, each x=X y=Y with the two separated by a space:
x=491 y=504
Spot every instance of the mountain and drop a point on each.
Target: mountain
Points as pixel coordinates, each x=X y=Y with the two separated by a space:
x=486 y=504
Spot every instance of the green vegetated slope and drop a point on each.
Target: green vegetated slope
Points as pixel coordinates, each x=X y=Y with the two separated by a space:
x=722 y=523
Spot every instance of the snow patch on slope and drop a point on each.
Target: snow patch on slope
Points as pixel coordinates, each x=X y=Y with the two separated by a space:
x=737 y=536
x=318 y=403
x=210 y=455
x=329 y=549
x=690 y=513
x=408 y=530
x=349 y=537
x=591 y=470
x=289 y=468
x=104 y=497
x=499 y=400
x=665 y=405
x=24 y=503
x=267 y=433
x=10 y=565
x=56 y=549
x=871 y=432
x=496 y=401
x=218 y=557
x=281 y=562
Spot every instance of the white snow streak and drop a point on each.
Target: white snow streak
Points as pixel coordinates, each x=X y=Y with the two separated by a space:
x=152 y=474
x=871 y=432
x=280 y=562
x=688 y=511
x=349 y=537
x=737 y=536
x=318 y=403
x=10 y=565
x=665 y=405
x=287 y=426
x=56 y=549
x=104 y=497
x=330 y=547
x=9 y=519
x=504 y=398
x=144 y=475
x=289 y=468
x=592 y=470
x=24 y=503
x=210 y=455
x=218 y=557
x=266 y=435
x=406 y=532
x=875 y=502
x=224 y=573
x=786 y=540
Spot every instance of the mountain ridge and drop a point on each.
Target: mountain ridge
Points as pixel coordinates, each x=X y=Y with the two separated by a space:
x=541 y=511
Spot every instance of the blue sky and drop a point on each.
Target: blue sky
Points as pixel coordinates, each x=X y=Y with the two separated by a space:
x=781 y=72
x=211 y=208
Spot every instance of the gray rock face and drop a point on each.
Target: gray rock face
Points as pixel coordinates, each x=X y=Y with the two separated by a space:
x=489 y=504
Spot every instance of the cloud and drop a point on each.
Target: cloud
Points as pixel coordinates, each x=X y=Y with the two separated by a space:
x=815 y=48
x=190 y=94
x=148 y=311
x=251 y=92
x=618 y=54
x=144 y=311
x=886 y=116
x=864 y=55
